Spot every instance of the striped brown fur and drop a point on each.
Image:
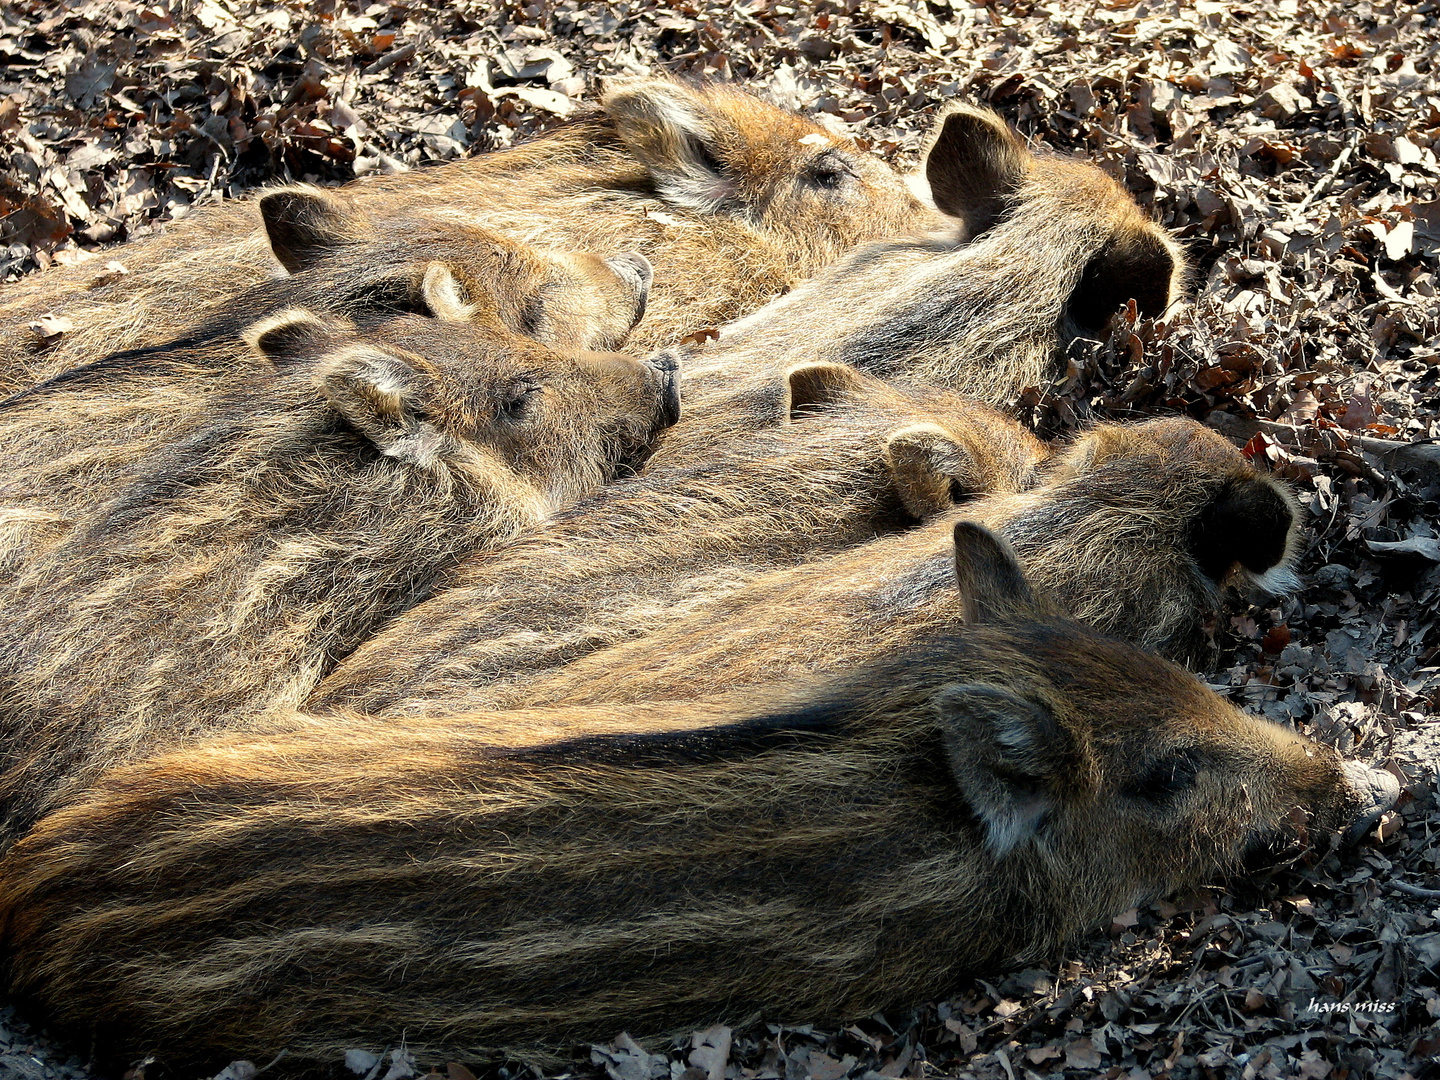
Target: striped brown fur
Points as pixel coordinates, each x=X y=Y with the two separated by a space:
x=73 y=441
x=1110 y=536
x=319 y=496
x=732 y=199
x=514 y=883
x=782 y=470
x=1050 y=249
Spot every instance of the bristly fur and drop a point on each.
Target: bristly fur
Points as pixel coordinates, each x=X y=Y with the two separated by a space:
x=1107 y=538
x=802 y=851
x=1050 y=250
x=782 y=470
x=303 y=505
x=73 y=441
x=623 y=180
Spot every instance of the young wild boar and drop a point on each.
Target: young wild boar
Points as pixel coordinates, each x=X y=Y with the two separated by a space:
x=71 y=441
x=1050 y=250
x=304 y=507
x=769 y=477
x=350 y=262
x=1138 y=531
x=732 y=199
x=518 y=883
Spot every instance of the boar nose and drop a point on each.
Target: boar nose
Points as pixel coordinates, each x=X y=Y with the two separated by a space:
x=1376 y=792
x=666 y=366
x=635 y=270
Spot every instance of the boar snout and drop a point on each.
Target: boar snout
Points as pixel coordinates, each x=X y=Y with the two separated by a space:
x=635 y=270
x=1375 y=792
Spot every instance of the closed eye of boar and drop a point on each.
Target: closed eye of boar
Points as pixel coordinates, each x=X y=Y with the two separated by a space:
x=1166 y=778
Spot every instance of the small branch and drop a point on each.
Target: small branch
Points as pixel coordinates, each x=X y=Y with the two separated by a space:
x=1416 y=453
x=1337 y=166
x=1413 y=890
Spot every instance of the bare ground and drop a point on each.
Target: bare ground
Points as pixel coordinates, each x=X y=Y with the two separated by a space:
x=1290 y=144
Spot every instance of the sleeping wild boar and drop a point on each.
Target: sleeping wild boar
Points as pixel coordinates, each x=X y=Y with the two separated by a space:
x=518 y=883
x=779 y=472
x=486 y=627
x=732 y=199
x=1139 y=530
x=72 y=441
x=1050 y=250
x=315 y=500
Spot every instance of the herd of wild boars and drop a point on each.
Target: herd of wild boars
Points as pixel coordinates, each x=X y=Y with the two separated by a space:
x=385 y=656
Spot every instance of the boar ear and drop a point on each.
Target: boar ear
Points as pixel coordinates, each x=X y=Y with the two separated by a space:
x=444 y=295
x=294 y=336
x=930 y=469
x=673 y=133
x=1250 y=521
x=379 y=395
x=816 y=384
x=1004 y=753
x=1141 y=264
x=973 y=165
x=306 y=225
x=992 y=584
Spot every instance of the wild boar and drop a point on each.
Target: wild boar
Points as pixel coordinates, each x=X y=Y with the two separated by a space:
x=71 y=441
x=1050 y=250
x=514 y=884
x=1137 y=531
x=357 y=264
x=448 y=647
x=302 y=509
x=778 y=472
x=732 y=199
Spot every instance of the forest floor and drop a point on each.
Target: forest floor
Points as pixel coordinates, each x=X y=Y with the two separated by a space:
x=1291 y=145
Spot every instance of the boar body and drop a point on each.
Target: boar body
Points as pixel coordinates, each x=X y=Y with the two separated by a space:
x=1138 y=530
x=1049 y=250
x=297 y=514
x=512 y=884
x=76 y=440
x=1050 y=219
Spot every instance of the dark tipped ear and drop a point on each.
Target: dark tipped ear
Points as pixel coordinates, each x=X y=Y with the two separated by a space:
x=819 y=383
x=673 y=132
x=1251 y=521
x=379 y=395
x=930 y=469
x=295 y=336
x=1143 y=265
x=306 y=226
x=973 y=165
x=992 y=584
x=1006 y=754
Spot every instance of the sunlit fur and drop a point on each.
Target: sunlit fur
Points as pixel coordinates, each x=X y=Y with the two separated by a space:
x=517 y=883
x=988 y=314
x=733 y=490
x=322 y=493
x=622 y=180
x=72 y=441
x=1107 y=538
